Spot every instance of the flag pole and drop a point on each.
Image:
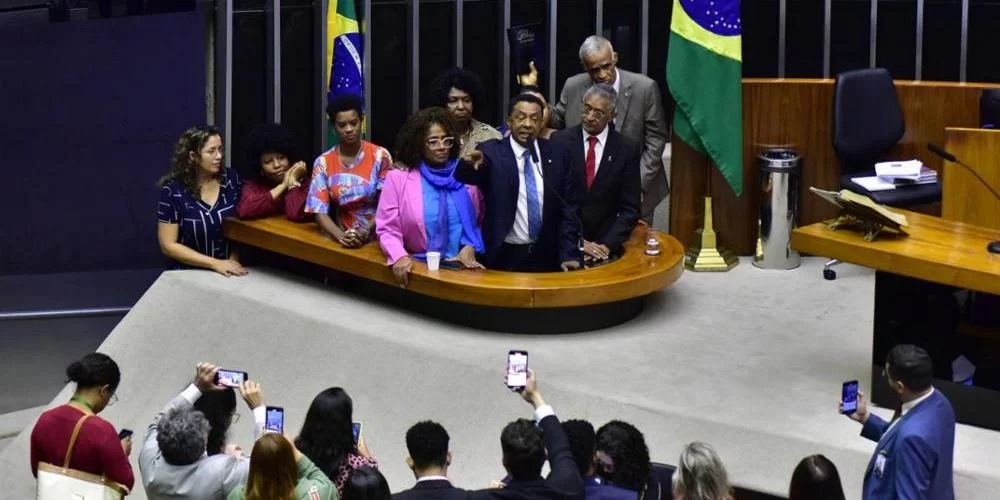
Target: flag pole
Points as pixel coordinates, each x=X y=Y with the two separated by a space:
x=705 y=254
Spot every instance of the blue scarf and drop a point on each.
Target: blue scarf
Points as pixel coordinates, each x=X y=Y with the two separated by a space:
x=443 y=179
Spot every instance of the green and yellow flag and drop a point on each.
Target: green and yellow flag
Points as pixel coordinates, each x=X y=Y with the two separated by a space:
x=704 y=71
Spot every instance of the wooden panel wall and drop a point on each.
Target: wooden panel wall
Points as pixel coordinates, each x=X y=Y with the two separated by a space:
x=965 y=199
x=798 y=113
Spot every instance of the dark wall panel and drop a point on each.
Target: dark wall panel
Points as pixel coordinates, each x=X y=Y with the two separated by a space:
x=850 y=29
x=390 y=77
x=89 y=125
x=984 y=40
x=483 y=21
x=437 y=42
x=804 y=39
x=760 y=38
x=942 y=39
x=896 y=48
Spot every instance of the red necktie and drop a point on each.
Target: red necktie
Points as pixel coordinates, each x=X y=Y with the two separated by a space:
x=591 y=160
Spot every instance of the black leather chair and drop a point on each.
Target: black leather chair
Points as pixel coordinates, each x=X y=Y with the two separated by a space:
x=867 y=123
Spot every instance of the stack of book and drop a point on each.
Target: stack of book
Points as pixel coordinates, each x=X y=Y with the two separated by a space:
x=891 y=174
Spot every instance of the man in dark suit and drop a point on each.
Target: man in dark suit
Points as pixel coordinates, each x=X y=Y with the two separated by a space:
x=913 y=458
x=609 y=163
x=429 y=459
x=639 y=117
x=531 y=194
x=524 y=454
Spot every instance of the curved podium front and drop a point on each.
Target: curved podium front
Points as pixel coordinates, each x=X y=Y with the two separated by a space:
x=583 y=300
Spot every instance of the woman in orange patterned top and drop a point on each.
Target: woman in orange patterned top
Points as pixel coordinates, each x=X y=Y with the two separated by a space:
x=347 y=179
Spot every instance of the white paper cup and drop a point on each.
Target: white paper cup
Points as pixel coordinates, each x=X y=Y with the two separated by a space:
x=433 y=261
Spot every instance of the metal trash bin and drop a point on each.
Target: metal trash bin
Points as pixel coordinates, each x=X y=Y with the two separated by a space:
x=780 y=174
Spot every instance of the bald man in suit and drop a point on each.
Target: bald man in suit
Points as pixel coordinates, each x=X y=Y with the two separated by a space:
x=639 y=113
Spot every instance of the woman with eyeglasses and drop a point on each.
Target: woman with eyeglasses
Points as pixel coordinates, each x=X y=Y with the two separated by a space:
x=346 y=180
x=219 y=408
x=425 y=209
x=97 y=450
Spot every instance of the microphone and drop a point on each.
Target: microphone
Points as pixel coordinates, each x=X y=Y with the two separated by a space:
x=993 y=246
x=546 y=187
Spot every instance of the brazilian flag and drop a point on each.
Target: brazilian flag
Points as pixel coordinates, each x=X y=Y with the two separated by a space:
x=343 y=53
x=704 y=71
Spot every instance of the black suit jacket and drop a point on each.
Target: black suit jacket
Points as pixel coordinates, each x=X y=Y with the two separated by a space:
x=609 y=210
x=436 y=489
x=563 y=483
x=498 y=180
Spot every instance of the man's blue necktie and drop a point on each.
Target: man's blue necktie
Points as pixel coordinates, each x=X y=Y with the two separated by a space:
x=534 y=213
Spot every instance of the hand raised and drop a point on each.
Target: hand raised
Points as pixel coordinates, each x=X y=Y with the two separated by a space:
x=529 y=78
x=204 y=377
x=861 y=414
x=474 y=158
x=252 y=394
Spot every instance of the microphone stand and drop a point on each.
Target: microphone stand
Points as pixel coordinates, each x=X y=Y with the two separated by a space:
x=993 y=246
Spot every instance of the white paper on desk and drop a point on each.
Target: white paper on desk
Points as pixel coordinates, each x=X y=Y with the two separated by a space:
x=874 y=183
x=905 y=169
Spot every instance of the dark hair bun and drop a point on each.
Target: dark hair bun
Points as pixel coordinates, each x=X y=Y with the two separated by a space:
x=94 y=370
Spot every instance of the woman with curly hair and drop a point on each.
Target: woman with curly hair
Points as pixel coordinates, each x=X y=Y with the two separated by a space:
x=622 y=456
x=195 y=196
x=460 y=91
x=273 y=176
x=327 y=437
x=346 y=180
x=425 y=209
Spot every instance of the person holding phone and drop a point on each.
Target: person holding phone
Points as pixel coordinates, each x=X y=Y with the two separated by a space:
x=173 y=460
x=424 y=209
x=914 y=455
x=280 y=471
x=526 y=445
x=327 y=437
x=99 y=449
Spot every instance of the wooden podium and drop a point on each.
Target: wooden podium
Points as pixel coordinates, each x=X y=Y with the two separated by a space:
x=964 y=198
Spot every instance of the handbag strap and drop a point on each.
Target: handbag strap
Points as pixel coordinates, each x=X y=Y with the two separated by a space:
x=72 y=439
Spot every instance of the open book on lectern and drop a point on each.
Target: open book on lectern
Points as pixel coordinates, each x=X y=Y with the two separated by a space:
x=860 y=211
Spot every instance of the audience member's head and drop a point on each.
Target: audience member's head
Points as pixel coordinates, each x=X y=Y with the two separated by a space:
x=523 y=450
x=598 y=108
x=346 y=113
x=182 y=434
x=700 y=475
x=524 y=118
x=622 y=455
x=909 y=370
x=273 y=470
x=815 y=478
x=599 y=59
x=536 y=91
x=428 y=136
x=327 y=435
x=583 y=444
x=427 y=443
x=219 y=408
x=270 y=153
x=97 y=377
x=459 y=91
x=366 y=483
x=197 y=152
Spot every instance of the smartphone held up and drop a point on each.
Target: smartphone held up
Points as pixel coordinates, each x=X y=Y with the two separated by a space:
x=230 y=378
x=274 y=420
x=517 y=370
x=849 y=397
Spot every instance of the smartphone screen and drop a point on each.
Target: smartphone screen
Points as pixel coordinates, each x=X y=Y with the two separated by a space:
x=230 y=378
x=275 y=420
x=517 y=370
x=849 y=397
x=357 y=432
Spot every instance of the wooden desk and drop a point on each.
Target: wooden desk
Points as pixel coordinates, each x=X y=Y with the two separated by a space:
x=610 y=293
x=964 y=198
x=799 y=113
x=936 y=250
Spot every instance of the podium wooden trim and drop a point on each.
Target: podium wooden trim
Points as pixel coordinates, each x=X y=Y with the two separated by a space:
x=937 y=250
x=632 y=276
x=964 y=198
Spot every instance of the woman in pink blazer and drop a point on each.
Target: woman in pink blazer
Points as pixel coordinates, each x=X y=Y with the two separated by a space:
x=424 y=209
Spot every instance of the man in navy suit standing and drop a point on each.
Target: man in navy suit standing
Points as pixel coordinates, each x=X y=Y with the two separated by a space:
x=913 y=458
x=531 y=194
x=609 y=163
